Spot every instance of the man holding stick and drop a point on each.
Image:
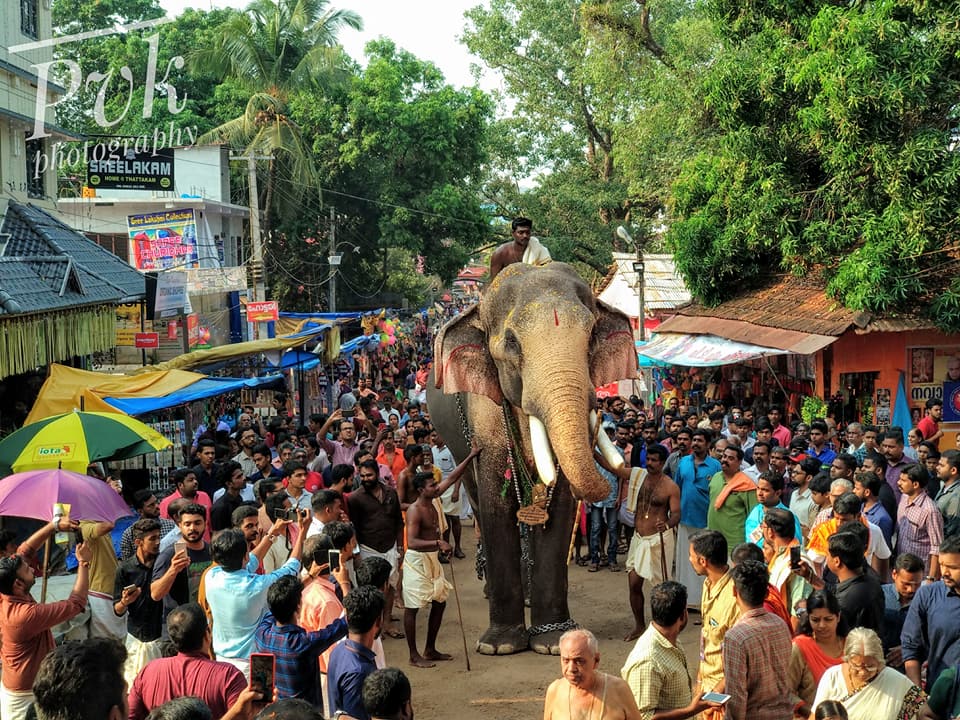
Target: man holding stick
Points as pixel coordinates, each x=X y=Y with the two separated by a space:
x=423 y=580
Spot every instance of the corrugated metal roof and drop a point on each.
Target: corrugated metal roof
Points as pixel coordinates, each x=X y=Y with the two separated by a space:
x=788 y=303
x=663 y=287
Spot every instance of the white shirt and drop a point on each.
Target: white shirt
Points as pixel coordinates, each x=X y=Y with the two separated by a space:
x=246 y=494
x=443 y=459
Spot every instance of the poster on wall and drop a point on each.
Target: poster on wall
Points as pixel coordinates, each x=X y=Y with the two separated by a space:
x=883 y=406
x=930 y=368
x=164 y=240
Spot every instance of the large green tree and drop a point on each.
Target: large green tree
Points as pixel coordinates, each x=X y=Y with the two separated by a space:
x=399 y=154
x=834 y=152
x=270 y=50
x=593 y=92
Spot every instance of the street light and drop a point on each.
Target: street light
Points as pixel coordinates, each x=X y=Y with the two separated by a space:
x=638 y=268
x=334 y=258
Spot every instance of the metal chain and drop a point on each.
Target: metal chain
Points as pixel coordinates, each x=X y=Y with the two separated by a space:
x=464 y=427
x=569 y=624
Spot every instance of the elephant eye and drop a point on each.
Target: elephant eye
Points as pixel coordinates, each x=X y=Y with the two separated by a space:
x=510 y=342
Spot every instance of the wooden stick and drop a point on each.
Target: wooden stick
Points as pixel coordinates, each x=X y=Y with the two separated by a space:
x=463 y=632
x=573 y=535
x=46 y=565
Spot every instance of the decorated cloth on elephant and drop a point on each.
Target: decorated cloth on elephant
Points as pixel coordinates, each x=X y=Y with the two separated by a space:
x=423 y=579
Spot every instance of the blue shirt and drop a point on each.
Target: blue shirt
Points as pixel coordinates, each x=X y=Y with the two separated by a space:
x=881 y=518
x=611 y=499
x=931 y=631
x=296 y=652
x=694 y=482
x=825 y=456
x=751 y=528
x=237 y=602
x=350 y=663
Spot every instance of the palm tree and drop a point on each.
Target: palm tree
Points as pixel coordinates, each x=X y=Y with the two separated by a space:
x=269 y=49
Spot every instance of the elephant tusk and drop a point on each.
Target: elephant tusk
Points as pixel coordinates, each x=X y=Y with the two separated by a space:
x=607 y=448
x=542 y=452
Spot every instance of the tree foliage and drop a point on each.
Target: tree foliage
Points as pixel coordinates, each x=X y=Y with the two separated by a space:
x=834 y=149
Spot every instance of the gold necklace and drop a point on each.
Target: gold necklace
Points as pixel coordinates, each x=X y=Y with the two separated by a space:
x=646 y=512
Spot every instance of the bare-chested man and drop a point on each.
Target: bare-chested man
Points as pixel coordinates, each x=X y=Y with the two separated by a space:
x=655 y=501
x=524 y=248
x=583 y=693
x=423 y=581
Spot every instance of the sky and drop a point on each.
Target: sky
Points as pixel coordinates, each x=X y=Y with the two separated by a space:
x=428 y=28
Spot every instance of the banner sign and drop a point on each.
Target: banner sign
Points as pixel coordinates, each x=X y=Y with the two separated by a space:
x=146 y=340
x=171 y=294
x=163 y=240
x=263 y=311
x=130 y=170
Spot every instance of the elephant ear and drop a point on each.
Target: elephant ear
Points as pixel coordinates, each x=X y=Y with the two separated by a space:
x=463 y=363
x=613 y=354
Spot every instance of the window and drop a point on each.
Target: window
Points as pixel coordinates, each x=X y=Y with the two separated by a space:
x=35 y=175
x=30 y=18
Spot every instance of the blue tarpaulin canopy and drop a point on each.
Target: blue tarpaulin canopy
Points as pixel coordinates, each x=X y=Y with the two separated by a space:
x=208 y=387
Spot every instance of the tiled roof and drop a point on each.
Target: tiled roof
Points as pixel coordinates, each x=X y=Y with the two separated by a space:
x=788 y=303
x=53 y=251
x=46 y=265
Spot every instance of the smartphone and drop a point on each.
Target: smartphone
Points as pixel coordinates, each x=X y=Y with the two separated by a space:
x=716 y=697
x=333 y=558
x=795 y=556
x=130 y=588
x=77 y=536
x=348 y=413
x=179 y=546
x=262 y=668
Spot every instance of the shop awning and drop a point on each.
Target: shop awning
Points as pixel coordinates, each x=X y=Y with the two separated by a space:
x=207 y=387
x=741 y=331
x=702 y=350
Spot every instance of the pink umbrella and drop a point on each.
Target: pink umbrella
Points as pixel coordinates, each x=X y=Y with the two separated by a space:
x=32 y=494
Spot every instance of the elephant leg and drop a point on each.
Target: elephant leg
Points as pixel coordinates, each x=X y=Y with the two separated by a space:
x=549 y=547
x=501 y=542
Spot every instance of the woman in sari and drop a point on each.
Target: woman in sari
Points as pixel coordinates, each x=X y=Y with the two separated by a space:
x=867 y=688
x=817 y=646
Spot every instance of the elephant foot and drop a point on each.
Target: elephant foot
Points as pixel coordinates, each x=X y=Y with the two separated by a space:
x=548 y=641
x=503 y=640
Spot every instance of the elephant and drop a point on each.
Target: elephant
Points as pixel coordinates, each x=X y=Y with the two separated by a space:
x=540 y=341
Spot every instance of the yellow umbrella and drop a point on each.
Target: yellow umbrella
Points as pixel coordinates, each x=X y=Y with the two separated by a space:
x=73 y=440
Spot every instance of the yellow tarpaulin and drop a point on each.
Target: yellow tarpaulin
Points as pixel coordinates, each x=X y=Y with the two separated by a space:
x=199 y=358
x=67 y=388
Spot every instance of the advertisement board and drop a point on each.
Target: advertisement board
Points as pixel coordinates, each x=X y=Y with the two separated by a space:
x=164 y=240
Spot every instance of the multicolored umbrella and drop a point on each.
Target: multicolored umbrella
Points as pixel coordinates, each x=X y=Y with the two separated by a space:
x=33 y=494
x=73 y=440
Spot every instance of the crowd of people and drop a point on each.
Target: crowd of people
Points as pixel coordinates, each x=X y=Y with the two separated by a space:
x=298 y=544
x=821 y=564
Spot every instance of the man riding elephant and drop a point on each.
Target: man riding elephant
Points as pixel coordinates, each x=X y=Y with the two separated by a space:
x=518 y=371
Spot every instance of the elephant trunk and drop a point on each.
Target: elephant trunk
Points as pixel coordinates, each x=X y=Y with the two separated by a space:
x=565 y=418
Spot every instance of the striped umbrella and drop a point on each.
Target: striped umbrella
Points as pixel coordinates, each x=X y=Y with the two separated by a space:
x=74 y=440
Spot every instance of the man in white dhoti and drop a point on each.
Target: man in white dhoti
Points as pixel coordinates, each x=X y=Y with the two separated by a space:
x=423 y=582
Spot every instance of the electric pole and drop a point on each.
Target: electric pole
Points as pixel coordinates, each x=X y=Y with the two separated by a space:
x=332 y=302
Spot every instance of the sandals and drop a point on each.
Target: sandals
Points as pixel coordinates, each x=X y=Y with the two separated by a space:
x=593 y=568
x=582 y=561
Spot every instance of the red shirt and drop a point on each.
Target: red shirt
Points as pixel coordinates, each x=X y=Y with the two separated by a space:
x=25 y=627
x=217 y=684
x=201 y=498
x=928 y=427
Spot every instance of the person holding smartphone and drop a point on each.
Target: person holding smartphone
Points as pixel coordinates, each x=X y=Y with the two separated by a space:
x=25 y=624
x=237 y=596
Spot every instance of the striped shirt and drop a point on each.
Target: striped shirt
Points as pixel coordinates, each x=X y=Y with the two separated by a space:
x=919 y=527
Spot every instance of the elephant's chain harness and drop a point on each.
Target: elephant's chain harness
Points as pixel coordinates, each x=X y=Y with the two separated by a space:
x=527 y=491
